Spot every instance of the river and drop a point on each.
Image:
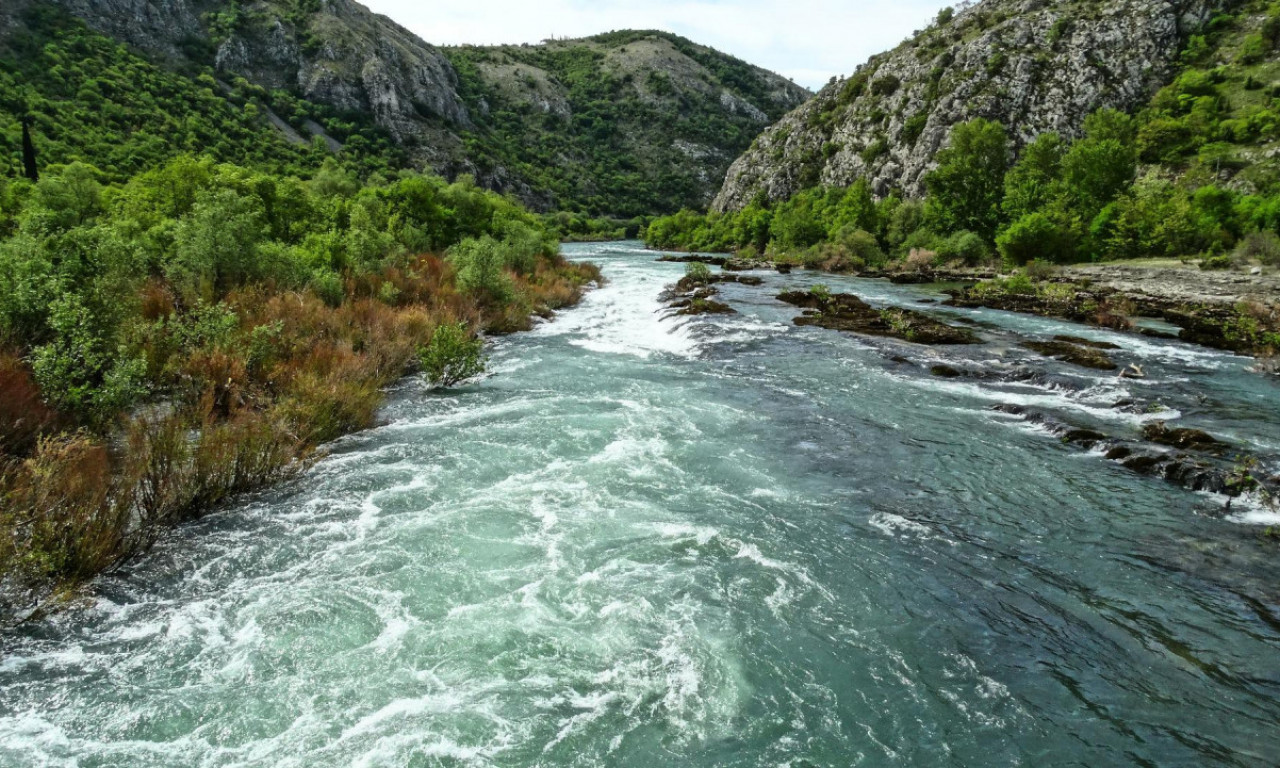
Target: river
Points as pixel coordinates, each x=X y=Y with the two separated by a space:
x=727 y=541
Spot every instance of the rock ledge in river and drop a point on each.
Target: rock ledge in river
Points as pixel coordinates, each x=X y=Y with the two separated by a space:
x=846 y=312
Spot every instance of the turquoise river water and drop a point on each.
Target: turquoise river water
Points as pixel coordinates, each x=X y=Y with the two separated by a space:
x=727 y=541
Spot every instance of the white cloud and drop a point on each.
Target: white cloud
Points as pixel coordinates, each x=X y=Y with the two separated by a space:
x=807 y=40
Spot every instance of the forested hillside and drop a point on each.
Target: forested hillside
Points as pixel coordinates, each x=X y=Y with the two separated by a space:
x=622 y=124
x=628 y=123
x=1032 y=66
x=86 y=97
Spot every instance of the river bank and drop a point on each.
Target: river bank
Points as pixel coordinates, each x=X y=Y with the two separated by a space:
x=1224 y=309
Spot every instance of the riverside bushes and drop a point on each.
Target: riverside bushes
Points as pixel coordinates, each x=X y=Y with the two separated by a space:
x=452 y=356
x=200 y=329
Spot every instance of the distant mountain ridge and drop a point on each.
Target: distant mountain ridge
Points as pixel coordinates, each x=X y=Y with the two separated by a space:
x=465 y=110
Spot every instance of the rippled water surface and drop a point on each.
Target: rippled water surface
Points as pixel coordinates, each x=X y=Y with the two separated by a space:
x=717 y=542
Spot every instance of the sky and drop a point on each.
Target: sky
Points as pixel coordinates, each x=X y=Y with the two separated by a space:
x=807 y=40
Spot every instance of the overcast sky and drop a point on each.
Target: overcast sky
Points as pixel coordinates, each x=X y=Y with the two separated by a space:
x=806 y=40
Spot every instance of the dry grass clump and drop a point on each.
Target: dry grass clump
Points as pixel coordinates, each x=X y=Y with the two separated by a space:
x=23 y=414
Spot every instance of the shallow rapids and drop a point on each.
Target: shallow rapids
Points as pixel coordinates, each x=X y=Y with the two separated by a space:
x=727 y=541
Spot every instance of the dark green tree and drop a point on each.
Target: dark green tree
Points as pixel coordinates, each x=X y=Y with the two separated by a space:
x=29 y=168
x=966 y=189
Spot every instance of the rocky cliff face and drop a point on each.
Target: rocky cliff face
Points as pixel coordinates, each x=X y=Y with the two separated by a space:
x=343 y=55
x=1032 y=65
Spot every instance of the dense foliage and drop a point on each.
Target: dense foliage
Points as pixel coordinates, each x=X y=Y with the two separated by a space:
x=1061 y=201
x=216 y=322
x=89 y=98
x=621 y=146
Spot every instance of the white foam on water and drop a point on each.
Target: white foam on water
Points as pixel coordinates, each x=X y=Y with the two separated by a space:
x=1093 y=401
x=29 y=739
x=625 y=317
x=892 y=525
x=1251 y=509
x=700 y=533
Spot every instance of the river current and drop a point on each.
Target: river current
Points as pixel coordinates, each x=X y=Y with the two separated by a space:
x=725 y=541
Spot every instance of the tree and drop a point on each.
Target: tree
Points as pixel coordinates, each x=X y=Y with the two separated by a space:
x=856 y=208
x=217 y=245
x=480 y=264
x=966 y=188
x=1033 y=180
x=1095 y=172
x=1037 y=236
x=29 y=168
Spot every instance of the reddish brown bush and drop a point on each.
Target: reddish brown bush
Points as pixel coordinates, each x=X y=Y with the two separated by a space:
x=23 y=415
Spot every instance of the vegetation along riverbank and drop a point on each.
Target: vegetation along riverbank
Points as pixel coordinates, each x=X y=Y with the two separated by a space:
x=1015 y=225
x=201 y=329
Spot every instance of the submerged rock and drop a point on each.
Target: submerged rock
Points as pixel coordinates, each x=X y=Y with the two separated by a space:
x=745 y=265
x=692 y=295
x=1078 y=341
x=701 y=306
x=1084 y=437
x=1087 y=357
x=1193 y=439
x=690 y=258
x=1206 y=471
x=846 y=312
x=945 y=371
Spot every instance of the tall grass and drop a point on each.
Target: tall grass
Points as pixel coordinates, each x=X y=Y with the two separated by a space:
x=239 y=409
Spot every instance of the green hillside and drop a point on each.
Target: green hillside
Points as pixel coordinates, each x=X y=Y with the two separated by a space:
x=625 y=123
x=94 y=100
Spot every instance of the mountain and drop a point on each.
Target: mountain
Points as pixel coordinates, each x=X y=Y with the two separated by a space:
x=1032 y=65
x=629 y=122
x=625 y=123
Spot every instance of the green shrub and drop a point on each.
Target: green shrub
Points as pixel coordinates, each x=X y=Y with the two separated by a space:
x=1254 y=49
x=480 y=263
x=328 y=285
x=913 y=127
x=452 y=356
x=886 y=86
x=1263 y=247
x=697 y=272
x=1020 y=283
x=1216 y=263
x=80 y=372
x=1035 y=236
x=875 y=150
x=1039 y=270
x=966 y=247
